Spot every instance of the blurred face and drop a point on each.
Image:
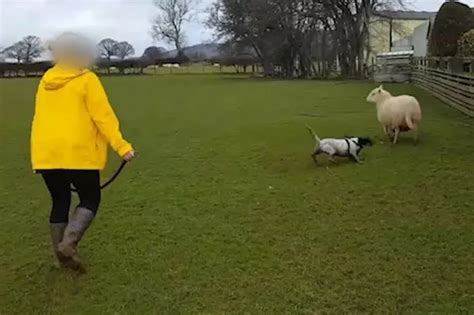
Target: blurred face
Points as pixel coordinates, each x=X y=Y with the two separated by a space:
x=80 y=61
x=73 y=51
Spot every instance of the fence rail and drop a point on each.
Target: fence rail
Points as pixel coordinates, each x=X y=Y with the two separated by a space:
x=450 y=79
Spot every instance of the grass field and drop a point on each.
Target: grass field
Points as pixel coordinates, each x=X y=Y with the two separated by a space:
x=224 y=211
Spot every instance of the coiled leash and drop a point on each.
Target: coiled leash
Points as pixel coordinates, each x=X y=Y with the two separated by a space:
x=111 y=180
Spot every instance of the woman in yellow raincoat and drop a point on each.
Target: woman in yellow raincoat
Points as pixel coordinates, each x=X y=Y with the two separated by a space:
x=72 y=127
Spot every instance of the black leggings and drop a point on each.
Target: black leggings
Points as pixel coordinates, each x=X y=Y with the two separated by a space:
x=87 y=184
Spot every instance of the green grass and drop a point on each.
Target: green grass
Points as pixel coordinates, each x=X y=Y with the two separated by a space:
x=224 y=211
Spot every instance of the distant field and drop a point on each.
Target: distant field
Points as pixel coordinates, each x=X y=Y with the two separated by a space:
x=185 y=69
x=224 y=211
x=193 y=69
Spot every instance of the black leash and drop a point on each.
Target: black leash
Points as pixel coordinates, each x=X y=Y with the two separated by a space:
x=111 y=180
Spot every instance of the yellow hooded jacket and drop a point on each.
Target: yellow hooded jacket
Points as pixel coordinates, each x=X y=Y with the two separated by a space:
x=73 y=122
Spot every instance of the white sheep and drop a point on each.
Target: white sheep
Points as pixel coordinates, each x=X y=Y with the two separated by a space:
x=171 y=65
x=396 y=113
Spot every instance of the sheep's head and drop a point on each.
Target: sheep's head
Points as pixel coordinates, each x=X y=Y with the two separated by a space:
x=377 y=95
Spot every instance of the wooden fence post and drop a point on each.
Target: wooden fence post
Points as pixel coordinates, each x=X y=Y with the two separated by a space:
x=446 y=80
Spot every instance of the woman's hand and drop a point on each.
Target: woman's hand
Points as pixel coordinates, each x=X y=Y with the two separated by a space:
x=129 y=156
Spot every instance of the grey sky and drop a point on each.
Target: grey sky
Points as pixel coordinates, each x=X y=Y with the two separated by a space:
x=128 y=20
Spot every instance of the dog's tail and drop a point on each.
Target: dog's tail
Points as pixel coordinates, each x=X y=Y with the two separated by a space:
x=313 y=134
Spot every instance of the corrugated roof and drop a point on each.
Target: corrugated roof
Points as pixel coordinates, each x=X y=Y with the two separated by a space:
x=407 y=15
x=396 y=53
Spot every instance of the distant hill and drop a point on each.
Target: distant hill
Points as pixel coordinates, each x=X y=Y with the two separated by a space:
x=201 y=51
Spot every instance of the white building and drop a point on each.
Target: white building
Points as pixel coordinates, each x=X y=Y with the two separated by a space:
x=420 y=38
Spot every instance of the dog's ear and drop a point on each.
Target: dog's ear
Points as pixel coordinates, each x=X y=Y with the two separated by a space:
x=369 y=141
x=363 y=141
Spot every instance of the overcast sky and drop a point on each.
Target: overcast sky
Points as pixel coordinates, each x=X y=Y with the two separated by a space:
x=127 y=20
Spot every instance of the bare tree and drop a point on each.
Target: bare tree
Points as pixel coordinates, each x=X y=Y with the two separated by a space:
x=15 y=51
x=26 y=50
x=172 y=16
x=152 y=53
x=33 y=48
x=107 y=48
x=286 y=35
x=123 y=50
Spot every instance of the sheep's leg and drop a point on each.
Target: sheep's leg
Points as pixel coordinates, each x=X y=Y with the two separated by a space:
x=397 y=133
x=387 y=133
x=415 y=133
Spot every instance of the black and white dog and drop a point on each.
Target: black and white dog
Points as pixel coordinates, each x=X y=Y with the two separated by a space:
x=347 y=147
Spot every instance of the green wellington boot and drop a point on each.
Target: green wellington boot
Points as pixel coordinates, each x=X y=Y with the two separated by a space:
x=57 y=232
x=73 y=233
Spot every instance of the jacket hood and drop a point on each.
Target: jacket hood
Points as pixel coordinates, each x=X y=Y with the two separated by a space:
x=57 y=77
